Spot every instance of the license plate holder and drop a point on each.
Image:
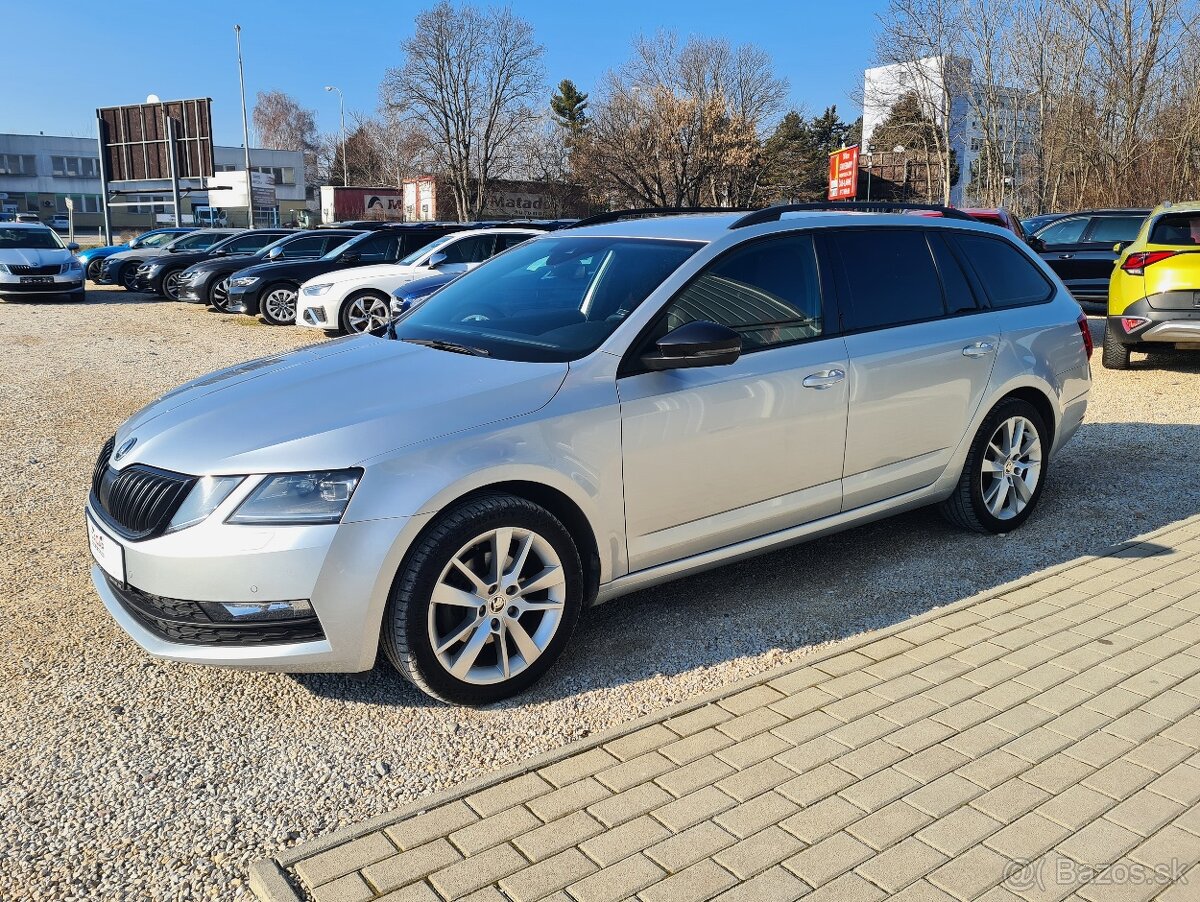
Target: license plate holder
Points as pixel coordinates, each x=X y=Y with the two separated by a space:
x=106 y=551
x=37 y=280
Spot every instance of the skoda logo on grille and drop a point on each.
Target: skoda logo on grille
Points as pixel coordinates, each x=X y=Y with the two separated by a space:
x=124 y=449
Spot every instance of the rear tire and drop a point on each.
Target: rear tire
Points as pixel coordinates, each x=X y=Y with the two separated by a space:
x=1113 y=354
x=466 y=634
x=1005 y=470
x=278 y=305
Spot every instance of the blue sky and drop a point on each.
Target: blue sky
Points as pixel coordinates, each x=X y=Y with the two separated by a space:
x=119 y=52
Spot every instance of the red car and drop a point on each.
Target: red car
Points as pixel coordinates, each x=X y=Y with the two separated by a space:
x=998 y=216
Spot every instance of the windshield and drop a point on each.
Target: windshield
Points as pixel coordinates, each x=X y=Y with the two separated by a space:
x=162 y=238
x=552 y=299
x=416 y=255
x=30 y=239
x=195 y=241
x=346 y=248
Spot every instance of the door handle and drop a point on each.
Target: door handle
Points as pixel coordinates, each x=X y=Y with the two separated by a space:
x=824 y=379
x=979 y=349
x=1065 y=256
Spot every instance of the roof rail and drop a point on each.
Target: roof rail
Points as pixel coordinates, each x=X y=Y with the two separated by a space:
x=772 y=214
x=645 y=212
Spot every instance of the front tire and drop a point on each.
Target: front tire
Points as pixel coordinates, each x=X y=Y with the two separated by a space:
x=218 y=294
x=128 y=275
x=366 y=311
x=469 y=632
x=1113 y=354
x=278 y=305
x=170 y=284
x=1005 y=470
x=94 y=268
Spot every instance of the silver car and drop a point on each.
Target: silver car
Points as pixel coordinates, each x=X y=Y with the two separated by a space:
x=590 y=413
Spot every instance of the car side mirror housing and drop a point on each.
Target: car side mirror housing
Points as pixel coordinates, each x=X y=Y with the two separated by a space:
x=352 y=257
x=73 y=246
x=695 y=344
x=275 y=253
x=1036 y=243
x=436 y=260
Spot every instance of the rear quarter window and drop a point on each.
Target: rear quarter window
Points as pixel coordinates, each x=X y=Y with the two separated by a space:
x=1009 y=278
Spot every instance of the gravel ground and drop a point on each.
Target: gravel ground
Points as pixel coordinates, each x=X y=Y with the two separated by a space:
x=127 y=778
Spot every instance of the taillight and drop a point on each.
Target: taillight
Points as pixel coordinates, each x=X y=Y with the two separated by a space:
x=1132 y=323
x=1082 y=322
x=1135 y=264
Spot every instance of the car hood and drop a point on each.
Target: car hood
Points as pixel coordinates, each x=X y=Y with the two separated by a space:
x=108 y=250
x=292 y=270
x=331 y=405
x=373 y=271
x=138 y=253
x=28 y=256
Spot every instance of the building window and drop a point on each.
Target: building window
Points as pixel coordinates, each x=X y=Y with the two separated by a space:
x=284 y=175
x=224 y=167
x=148 y=203
x=17 y=164
x=84 y=203
x=80 y=167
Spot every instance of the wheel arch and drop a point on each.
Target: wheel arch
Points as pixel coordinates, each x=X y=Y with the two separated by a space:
x=1041 y=403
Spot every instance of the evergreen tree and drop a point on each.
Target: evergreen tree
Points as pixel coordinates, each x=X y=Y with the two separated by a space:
x=798 y=155
x=569 y=106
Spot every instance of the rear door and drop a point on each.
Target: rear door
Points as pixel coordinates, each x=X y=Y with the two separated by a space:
x=1062 y=244
x=1094 y=260
x=921 y=349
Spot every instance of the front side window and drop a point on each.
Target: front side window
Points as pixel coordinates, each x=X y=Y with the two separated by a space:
x=1064 y=231
x=1009 y=277
x=1111 y=229
x=309 y=246
x=246 y=244
x=195 y=241
x=889 y=277
x=374 y=247
x=29 y=239
x=475 y=249
x=552 y=299
x=1177 y=230
x=767 y=291
x=423 y=249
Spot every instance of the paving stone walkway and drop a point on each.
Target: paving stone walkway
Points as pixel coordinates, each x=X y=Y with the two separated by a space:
x=1037 y=742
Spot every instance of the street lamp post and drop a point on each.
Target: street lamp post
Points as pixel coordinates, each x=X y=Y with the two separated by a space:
x=342 y=108
x=899 y=148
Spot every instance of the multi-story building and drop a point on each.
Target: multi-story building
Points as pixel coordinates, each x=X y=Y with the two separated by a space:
x=943 y=84
x=39 y=172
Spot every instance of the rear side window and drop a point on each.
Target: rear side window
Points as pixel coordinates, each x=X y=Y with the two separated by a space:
x=1111 y=229
x=889 y=278
x=959 y=296
x=1065 y=231
x=1007 y=275
x=767 y=291
x=1177 y=229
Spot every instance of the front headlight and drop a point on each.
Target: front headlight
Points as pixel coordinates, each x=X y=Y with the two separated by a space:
x=313 y=290
x=71 y=266
x=204 y=498
x=299 y=499
x=243 y=281
x=3 y=269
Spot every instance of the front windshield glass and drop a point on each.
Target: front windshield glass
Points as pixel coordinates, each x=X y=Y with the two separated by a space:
x=162 y=238
x=30 y=239
x=195 y=241
x=416 y=255
x=345 y=248
x=552 y=299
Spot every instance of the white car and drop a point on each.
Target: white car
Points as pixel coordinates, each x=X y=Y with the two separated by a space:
x=34 y=262
x=358 y=300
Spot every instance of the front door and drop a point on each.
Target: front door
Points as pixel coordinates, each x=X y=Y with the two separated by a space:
x=717 y=455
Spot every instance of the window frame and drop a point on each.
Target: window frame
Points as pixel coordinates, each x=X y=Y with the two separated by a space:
x=831 y=326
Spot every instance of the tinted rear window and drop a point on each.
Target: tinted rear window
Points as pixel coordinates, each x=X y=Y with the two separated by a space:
x=1111 y=229
x=1178 y=229
x=1008 y=276
x=959 y=296
x=889 y=277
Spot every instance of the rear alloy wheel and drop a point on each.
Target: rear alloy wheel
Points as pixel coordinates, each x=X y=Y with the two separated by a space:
x=218 y=295
x=485 y=602
x=128 y=275
x=1113 y=354
x=278 y=306
x=94 y=268
x=1004 y=472
x=170 y=284
x=364 y=312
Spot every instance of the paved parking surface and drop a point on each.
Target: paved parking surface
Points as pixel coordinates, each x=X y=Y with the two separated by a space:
x=1037 y=742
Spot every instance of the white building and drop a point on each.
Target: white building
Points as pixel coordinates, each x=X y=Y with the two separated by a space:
x=932 y=79
x=39 y=172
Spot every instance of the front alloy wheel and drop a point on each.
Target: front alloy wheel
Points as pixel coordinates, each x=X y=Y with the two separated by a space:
x=485 y=602
x=94 y=268
x=128 y=276
x=170 y=284
x=218 y=295
x=279 y=306
x=366 y=312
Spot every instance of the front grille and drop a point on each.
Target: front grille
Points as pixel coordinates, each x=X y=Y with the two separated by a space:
x=18 y=269
x=187 y=622
x=138 y=502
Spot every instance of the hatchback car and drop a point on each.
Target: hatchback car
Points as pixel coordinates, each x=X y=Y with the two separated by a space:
x=591 y=413
x=352 y=301
x=122 y=267
x=1079 y=248
x=162 y=275
x=34 y=262
x=1154 y=295
x=93 y=258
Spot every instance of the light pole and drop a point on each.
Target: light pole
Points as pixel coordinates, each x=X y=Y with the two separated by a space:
x=237 y=30
x=899 y=148
x=342 y=108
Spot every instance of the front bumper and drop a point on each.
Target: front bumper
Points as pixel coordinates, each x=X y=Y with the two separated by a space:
x=244 y=299
x=60 y=284
x=108 y=273
x=194 y=290
x=318 y=311
x=148 y=281
x=344 y=571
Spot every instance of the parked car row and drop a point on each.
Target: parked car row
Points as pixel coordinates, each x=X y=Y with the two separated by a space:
x=600 y=409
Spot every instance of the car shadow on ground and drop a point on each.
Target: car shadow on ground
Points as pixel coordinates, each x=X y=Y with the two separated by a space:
x=1113 y=482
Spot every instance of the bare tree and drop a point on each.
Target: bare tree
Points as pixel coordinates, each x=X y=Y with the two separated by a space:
x=470 y=77
x=281 y=123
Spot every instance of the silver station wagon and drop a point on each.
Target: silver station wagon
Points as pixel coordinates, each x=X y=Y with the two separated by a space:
x=590 y=413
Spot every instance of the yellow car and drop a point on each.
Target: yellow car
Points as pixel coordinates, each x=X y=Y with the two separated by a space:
x=1154 y=293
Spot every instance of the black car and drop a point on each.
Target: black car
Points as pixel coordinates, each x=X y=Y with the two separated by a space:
x=1079 y=247
x=207 y=282
x=271 y=288
x=160 y=275
x=121 y=268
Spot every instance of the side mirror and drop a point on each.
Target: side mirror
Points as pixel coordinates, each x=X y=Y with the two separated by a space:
x=699 y=343
x=73 y=246
x=275 y=253
x=436 y=260
x=1036 y=243
x=352 y=257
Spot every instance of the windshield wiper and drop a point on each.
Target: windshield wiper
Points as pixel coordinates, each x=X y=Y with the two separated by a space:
x=448 y=346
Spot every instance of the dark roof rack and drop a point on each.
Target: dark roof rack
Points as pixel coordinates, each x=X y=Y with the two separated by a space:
x=646 y=212
x=772 y=214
